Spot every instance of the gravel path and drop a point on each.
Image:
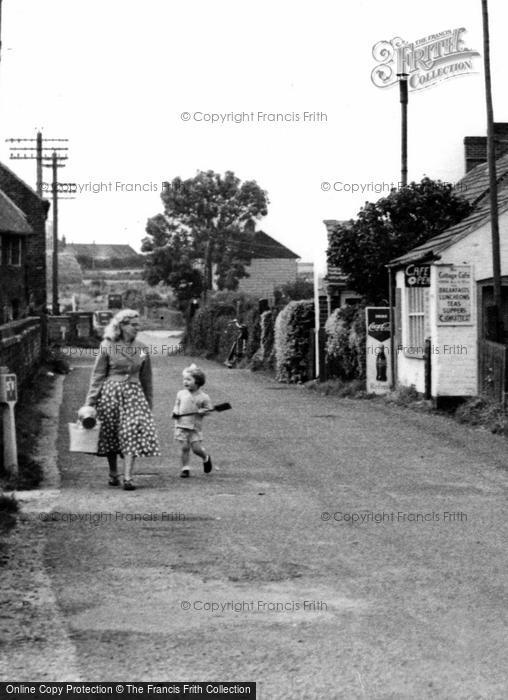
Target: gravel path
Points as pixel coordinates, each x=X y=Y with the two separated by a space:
x=317 y=561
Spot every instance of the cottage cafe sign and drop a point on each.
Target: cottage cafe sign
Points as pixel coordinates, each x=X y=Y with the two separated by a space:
x=426 y=61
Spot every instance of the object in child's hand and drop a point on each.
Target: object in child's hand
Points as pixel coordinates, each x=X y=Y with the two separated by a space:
x=219 y=408
x=222 y=407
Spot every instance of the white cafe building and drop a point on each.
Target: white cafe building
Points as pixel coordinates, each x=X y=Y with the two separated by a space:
x=444 y=294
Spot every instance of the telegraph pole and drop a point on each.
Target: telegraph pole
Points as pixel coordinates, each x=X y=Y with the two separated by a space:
x=403 y=108
x=59 y=153
x=0 y=29
x=38 y=151
x=27 y=153
x=54 y=165
x=491 y=160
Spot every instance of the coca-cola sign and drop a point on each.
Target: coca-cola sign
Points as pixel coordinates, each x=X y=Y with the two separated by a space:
x=378 y=323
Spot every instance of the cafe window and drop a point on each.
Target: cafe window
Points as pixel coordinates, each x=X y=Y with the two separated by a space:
x=415 y=321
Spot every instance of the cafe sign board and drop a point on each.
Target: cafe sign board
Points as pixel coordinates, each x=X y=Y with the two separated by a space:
x=454 y=295
x=417 y=275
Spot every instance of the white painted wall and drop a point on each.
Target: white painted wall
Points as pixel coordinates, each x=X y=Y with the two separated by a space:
x=455 y=348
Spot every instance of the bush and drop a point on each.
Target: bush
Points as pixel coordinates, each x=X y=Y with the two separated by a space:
x=293 y=340
x=56 y=361
x=345 y=343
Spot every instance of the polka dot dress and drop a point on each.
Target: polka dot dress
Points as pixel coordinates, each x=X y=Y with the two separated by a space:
x=127 y=425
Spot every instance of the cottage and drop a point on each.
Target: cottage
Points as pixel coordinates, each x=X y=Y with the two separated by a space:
x=444 y=297
x=22 y=248
x=105 y=256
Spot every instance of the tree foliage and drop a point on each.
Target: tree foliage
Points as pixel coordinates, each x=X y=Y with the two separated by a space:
x=208 y=222
x=390 y=227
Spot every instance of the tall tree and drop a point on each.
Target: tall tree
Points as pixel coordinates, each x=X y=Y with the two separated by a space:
x=208 y=221
x=390 y=227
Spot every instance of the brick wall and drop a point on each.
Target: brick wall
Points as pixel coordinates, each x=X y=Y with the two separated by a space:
x=20 y=347
x=267 y=273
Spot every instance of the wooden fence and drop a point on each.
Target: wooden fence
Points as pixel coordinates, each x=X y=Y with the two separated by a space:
x=493 y=365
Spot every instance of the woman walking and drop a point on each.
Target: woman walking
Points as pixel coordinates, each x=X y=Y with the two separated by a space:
x=121 y=391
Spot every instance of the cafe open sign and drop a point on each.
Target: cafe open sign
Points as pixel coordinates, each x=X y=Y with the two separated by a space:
x=8 y=389
x=417 y=275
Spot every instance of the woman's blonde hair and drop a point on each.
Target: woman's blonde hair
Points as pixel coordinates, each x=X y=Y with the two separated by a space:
x=113 y=330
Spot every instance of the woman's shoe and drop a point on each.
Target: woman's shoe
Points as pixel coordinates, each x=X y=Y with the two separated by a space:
x=207 y=465
x=128 y=485
x=113 y=480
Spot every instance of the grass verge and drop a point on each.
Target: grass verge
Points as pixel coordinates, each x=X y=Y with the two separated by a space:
x=8 y=510
x=29 y=416
x=476 y=411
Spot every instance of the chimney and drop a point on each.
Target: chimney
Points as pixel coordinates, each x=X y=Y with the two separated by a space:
x=475 y=147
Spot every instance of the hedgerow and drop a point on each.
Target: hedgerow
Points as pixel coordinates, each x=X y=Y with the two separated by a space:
x=292 y=341
x=345 y=343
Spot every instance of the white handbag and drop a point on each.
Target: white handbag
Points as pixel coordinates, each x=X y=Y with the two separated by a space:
x=83 y=439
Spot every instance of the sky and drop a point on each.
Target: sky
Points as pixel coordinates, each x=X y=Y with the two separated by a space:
x=134 y=87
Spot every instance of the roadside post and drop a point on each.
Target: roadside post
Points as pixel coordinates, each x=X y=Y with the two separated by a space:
x=8 y=398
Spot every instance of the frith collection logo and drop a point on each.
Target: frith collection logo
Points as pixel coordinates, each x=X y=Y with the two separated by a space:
x=426 y=61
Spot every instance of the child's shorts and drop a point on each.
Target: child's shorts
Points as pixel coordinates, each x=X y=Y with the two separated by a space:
x=188 y=435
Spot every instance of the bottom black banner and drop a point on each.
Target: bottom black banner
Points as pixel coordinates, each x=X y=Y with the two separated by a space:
x=142 y=691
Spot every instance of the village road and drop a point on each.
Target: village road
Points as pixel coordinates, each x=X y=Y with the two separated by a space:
x=342 y=548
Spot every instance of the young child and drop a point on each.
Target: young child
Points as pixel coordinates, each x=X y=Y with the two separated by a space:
x=191 y=399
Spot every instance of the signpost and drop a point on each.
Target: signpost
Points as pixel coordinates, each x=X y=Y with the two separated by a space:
x=8 y=398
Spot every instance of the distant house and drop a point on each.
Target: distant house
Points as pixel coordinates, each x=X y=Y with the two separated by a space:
x=105 y=256
x=272 y=264
x=22 y=248
x=337 y=286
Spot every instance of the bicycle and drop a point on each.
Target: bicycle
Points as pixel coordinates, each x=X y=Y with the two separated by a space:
x=238 y=348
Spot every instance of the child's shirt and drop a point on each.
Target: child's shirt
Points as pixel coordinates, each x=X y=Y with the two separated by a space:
x=188 y=402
